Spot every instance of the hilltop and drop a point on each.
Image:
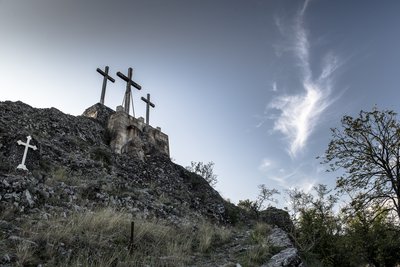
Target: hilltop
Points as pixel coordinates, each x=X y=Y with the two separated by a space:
x=76 y=202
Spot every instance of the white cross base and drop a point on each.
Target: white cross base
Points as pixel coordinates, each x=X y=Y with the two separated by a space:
x=27 y=146
x=22 y=167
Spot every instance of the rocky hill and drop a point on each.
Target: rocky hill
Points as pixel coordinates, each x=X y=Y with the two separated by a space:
x=74 y=172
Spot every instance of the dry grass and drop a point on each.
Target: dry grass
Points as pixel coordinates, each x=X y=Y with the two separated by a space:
x=259 y=250
x=60 y=174
x=210 y=236
x=102 y=238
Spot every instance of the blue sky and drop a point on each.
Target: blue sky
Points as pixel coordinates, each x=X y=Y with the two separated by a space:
x=254 y=86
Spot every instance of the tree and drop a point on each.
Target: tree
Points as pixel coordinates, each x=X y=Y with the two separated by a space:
x=374 y=242
x=367 y=148
x=204 y=170
x=248 y=205
x=317 y=229
x=264 y=195
x=257 y=205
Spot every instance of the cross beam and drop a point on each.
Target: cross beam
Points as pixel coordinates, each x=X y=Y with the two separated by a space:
x=148 y=105
x=128 y=93
x=105 y=78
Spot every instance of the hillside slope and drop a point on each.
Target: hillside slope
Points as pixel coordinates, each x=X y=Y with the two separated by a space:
x=76 y=202
x=74 y=167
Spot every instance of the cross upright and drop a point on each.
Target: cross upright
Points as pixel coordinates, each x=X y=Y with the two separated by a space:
x=129 y=83
x=148 y=104
x=27 y=146
x=105 y=78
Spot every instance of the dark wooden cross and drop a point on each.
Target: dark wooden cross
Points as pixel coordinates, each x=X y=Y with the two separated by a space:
x=148 y=104
x=129 y=83
x=105 y=78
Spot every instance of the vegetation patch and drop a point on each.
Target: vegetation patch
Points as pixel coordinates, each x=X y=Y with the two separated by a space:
x=103 y=238
x=259 y=249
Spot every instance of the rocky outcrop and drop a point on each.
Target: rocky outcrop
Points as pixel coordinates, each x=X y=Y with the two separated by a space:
x=74 y=168
x=277 y=217
x=288 y=256
x=100 y=113
x=133 y=136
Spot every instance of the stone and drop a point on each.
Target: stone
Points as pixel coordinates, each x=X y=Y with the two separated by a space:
x=279 y=238
x=277 y=217
x=286 y=258
x=125 y=129
x=100 y=113
x=127 y=134
x=28 y=198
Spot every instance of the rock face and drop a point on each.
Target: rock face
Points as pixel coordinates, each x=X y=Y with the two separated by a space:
x=288 y=256
x=100 y=113
x=277 y=217
x=128 y=134
x=133 y=136
x=74 y=168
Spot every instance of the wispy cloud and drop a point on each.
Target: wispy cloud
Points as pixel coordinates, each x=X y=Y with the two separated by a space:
x=274 y=87
x=300 y=112
x=265 y=164
x=293 y=179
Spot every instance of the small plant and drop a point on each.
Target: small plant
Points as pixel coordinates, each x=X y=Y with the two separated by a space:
x=204 y=170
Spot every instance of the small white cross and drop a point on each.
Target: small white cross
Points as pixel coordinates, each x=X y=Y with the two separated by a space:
x=27 y=146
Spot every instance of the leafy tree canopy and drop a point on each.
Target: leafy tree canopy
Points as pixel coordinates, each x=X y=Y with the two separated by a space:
x=367 y=148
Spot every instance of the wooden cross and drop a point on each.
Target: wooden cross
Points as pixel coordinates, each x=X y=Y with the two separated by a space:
x=27 y=146
x=105 y=78
x=129 y=82
x=148 y=104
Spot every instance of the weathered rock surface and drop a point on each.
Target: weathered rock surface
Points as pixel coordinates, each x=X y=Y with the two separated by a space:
x=277 y=217
x=74 y=168
x=100 y=113
x=288 y=256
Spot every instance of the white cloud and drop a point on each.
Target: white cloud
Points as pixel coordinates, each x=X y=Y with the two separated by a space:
x=305 y=184
x=274 y=87
x=294 y=179
x=300 y=112
x=305 y=5
x=265 y=164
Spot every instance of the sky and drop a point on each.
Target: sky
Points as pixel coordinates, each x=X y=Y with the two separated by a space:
x=252 y=85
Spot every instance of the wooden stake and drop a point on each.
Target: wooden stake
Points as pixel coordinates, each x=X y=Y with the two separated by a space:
x=131 y=240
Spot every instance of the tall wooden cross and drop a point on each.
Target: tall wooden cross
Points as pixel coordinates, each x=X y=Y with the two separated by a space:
x=105 y=78
x=148 y=104
x=129 y=83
